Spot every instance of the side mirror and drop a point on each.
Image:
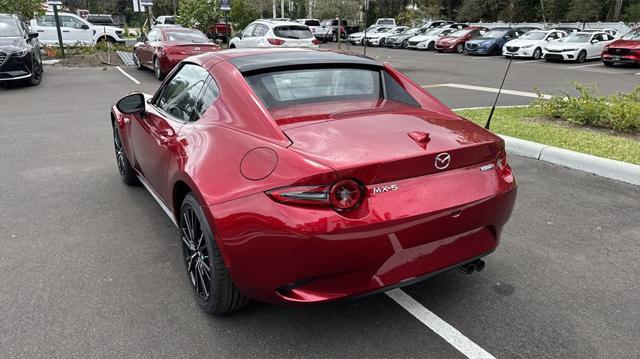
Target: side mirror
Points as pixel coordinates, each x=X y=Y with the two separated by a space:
x=85 y=27
x=32 y=35
x=595 y=41
x=239 y=35
x=132 y=104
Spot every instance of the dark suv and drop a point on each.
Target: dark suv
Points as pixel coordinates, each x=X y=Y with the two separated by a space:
x=20 y=57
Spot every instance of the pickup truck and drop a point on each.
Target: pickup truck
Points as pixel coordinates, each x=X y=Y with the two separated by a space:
x=329 y=30
x=220 y=31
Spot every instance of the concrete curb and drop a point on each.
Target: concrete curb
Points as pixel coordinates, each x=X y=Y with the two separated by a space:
x=617 y=170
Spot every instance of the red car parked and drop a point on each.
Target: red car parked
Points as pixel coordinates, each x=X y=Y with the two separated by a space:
x=164 y=47
x=625 y=50
x=300 y=176
x=455 y=41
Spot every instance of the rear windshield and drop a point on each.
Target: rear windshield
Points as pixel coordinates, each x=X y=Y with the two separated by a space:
x=312 y=23
x=293 y=32
x=386 y=22
x=185 y=36
x=297 y=87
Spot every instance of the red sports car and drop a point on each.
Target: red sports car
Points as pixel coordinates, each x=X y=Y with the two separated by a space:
x=454 y=42
x=164 y=47
x=625 y=50
x=303 y=176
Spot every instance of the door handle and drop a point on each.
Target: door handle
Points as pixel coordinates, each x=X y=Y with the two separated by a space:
x=40 y=30
x=166 y=136
x=65 y=30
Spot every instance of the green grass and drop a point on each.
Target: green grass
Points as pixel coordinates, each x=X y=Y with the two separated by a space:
x=525 y=123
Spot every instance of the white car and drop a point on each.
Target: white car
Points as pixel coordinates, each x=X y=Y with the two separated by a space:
x=313 y=24
x=377 y=38
x=530 y=44
x=577 y=46
x=75 y=30
x=385 y=21
x=165 y=20
x=427 y=41
x=357 y=38
x=611 y=32
x=268 y=33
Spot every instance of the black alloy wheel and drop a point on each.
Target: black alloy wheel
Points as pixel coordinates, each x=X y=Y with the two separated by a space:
x=381 y=43
x=404 y=44
x=212 y=286
x=537 y=53
x=460 y=48
x=36 y=70
x=431 y=46
x=582 y=57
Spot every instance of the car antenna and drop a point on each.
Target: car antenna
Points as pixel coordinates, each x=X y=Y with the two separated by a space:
x=493 y=108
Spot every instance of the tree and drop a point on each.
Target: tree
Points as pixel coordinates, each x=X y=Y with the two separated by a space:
x=584 y=10
x=199 y=14
x=25 y=8
x=242 y=13
x=632 y=13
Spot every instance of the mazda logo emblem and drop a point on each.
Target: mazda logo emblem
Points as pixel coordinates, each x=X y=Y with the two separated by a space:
x=443 y=160
x=196 y=48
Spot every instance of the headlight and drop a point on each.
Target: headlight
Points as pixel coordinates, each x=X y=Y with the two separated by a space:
x=526 y=46
x=567 y=50
x=485 y=43
x=20 y=53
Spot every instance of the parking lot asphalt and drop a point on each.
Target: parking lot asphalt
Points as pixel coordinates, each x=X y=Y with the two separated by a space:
x=90 y=267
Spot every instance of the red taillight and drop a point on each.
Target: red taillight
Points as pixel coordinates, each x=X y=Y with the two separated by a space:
x=275 y=41
x=344 y=195
x=315 y=41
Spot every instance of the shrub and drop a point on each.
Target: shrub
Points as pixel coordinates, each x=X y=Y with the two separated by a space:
x=620 y=112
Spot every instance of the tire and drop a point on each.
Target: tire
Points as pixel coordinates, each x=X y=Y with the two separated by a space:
x=232 y=46
x=334 y=37
x=214 y=291
x=157 y=70
x=493 y=51
x=362 y=42
x=136 y=62
x=36 y=70
x=127 y=173
x=381 y=42
x=108 y=39
x=582 y=57
x=404 y=44
x=537 y=53
x=460 y=48
x=431 y=46
x=608 y=63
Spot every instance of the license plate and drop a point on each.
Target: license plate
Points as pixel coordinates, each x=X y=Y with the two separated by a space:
x=616 y=58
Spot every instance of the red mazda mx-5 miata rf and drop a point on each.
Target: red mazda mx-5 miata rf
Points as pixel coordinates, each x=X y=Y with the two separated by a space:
x=303 y=176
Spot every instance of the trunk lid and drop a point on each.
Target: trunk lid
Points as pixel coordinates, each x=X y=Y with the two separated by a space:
x=190 y=48
x=379 y=141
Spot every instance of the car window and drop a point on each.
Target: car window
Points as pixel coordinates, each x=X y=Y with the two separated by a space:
x=260 y=30
x=248 y=32
x=312 y=23
x=186 y=36
x=9 y=28
x=293 y=32
x=72 y=22
x=179 y=95
x=46 y=20
x=154 y=35
x=209 y=94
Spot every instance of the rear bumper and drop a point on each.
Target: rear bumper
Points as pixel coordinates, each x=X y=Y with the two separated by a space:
x=279 y=253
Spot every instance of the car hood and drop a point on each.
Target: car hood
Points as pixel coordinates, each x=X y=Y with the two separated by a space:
x=448 y=39
x=565 y=45
x=627 y=44
x=478 y=40
x=377 y=35
x=400 y=37
x=422 y=38
x=10 y=44
x=520 y=43
x=357 y=34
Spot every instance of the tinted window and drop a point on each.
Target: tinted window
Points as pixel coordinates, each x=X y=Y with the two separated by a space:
x=185 y=36
x=312 y=23
x=293 y=32
x=315 y=85
x=9 y=28
x=395 y=92
x=72 y=22
x=209 y=94
x=179 y=96
x=169 y=20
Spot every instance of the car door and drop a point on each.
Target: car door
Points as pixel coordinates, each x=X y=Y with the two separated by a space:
x=45 y=26
x=595 y=46
x=258 y=38
x=246 y=36
x=145 y=49
x=75 y=31
x=154 y=134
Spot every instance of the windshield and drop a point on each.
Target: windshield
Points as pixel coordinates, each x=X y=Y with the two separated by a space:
x=495 y=34
x=633 y=35
x=385 y=22
x=460 y=33
x=9 y=28
x=534 y=35
x=186 y=36
x=312 y=23
x=432 y=32
x=293 y=32
x=411 y=31
x=576 y=37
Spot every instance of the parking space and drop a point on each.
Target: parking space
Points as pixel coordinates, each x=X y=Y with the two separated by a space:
x=91 y=268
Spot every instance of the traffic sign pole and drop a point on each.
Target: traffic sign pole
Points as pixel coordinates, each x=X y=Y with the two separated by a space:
x=55 y=16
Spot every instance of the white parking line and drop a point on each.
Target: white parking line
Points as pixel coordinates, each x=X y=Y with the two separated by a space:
x=439 y=326
x=492 y=89
x=582 y=66
x=128 y=76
